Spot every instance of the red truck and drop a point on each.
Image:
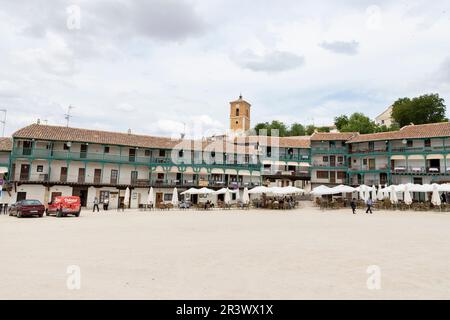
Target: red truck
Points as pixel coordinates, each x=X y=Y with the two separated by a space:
x=63 y=206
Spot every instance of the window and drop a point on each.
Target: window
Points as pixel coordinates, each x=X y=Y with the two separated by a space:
x=181 y=153
x=340 y=159
x=341 y=175
x=371 y=145
x=160 y=176
x=167 y=197
x=322 y=174
x=114 y=176
x=427 y=143
x=106 y=150
x=325 y=158
x=365 y=162
x=134 y=177
x=237 y=112
x=40 y=168
x=409 y=143
x=66 y=146
x=147 y=153
x=162 y=153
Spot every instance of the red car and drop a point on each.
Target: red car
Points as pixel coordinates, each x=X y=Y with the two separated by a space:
x=25 y=208
x=63 y=206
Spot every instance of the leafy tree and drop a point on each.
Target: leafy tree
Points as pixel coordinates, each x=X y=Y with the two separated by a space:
x=280 y=126
x=428 y=108
x=262 y=126
x=323 y=129
x=340 y=122
x=297 y=129
x=310 y=129
x=358 y=122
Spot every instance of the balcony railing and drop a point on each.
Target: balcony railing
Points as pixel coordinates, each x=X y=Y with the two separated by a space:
x=419 y=170
x=329 y=150
x=368 y=151
x=329 y=165
x=126 y=159
x=421 y=149
x=369 y=168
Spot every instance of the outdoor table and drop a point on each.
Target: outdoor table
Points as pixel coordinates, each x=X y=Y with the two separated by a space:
x=400 y=169
x=433 y=170
x=416 y=169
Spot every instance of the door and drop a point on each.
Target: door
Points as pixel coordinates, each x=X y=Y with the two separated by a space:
x=97 y=176
x=159 y=198
x=27 y=147
x=21 y=196
x=332 y=161
x=132 y=155
x=24 y=172
x=82 y=193
x=435 y=165
x=54 y=195
x=63 y=174
x=383 y=178
x=114 y=175
x=332 y=177
x=83 y=151
x=371 y=164
x=134 y=177
x=81 y=175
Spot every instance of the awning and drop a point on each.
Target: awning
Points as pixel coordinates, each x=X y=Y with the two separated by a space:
x=217 y=171
x=398 y=157
x=416 y=157
x=244 y=173
x=231 y=171
x=435 y=156
x=3 y=170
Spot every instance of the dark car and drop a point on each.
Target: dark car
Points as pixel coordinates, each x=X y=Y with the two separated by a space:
x=26 y=208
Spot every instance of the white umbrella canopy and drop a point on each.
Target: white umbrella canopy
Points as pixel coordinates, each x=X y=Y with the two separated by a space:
x=190 y=191
x=126 y=200
x=259 y=190
x=245 y=196
x=175 y=197
x=227 y=198
x=393 y=191
x=435 y=198
x=343 y=189
x=374 y=193
x=293 y=190
x=205 y=191
x=321 y=190
x=380 y=195
x=150 y=196
x=444 y=187
x=407 y=196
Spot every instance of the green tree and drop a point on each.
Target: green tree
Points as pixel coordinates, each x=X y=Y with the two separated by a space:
x=358 y=122
x=262 y=126
x=310 y=129
x=297 y=129
x=323 y=129
x=340 y=122
x=428 y=108
x=280 y=126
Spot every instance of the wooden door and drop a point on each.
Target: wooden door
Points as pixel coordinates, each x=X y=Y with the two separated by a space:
x=83 y=151
x=63 y=174
x=332 y=177
x=371 y=164
x=132 y=155
x=97 y=176
x=24 y=172
x=159 y=198
x=81 y=175
x=332 y=161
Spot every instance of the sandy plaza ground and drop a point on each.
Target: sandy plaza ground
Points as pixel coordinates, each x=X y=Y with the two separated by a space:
x=256 y=254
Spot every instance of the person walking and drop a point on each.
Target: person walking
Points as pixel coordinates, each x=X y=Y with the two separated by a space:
x=96 y=205
x=353 y=205
x=369 y=206
x=105 y=204
x=5 y=208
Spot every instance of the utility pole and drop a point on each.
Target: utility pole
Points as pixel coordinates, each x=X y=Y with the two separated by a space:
x=3 y=122
x=67 y=116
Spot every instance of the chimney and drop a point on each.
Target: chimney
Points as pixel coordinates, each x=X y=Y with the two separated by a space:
x=129 y=131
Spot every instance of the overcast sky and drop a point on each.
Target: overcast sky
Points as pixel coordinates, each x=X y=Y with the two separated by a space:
x=152 y=65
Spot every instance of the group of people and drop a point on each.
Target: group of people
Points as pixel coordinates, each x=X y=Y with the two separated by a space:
x=105 y=203
x=369 y=204
x=3 y=208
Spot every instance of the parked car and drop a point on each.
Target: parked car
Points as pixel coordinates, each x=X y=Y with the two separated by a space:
x=27 y=208
x=63 y=206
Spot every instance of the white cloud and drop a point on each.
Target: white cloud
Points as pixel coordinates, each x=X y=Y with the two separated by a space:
x=275 y=61
x=341 y=47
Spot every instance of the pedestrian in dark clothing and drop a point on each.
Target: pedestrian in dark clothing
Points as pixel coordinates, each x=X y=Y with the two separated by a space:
x=353 y=206
x=5 y=208
x=1 y=208
x=96 y=205
x=369 y=206
x=444 y=198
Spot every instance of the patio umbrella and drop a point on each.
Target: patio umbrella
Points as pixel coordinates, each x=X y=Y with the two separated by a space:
x=321 y=190
x=227 y=198
x=175 y=197
x=343 y=189
x=238 y=196
x=435 y=198
x=205 y=191
x=259 y=190
x=407 y=196
x=126 y=200
x=150 y=197
x=380 y=195
x=190 y=191
x=245 y=196
x=394 y=199
x=293 y=190
x=374 y=193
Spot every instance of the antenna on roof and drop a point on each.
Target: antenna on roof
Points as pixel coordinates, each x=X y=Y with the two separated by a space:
x=183 y=134
x=3 y=121
x=67 y=116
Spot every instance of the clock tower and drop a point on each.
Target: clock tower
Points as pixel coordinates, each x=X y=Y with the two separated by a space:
x=240 y=115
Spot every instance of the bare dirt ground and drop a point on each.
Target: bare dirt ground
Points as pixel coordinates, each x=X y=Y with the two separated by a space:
x=256 y=254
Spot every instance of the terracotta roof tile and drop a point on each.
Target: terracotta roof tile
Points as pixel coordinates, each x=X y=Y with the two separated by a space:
x=5 y=144
x=330 y=136
x=408 y=132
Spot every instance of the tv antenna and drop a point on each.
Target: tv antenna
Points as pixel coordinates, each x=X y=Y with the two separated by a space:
x=3 y=121
x=67 y=116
